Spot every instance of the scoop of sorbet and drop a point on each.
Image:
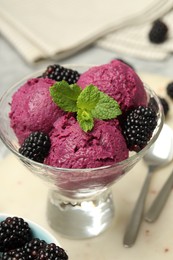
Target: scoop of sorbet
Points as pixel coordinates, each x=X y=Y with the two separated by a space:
x=119 y=81
x=32 y=108
x=71 y=147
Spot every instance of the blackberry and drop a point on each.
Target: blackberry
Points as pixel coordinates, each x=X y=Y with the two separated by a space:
x=138 y=127
x=15 y=254
x=58 y=73
x=164 y=105
x=158 y=32
x=52 y=252
x=29 y=251
x=169 y=89
x=33 y=247
x=36 y=146
x=14 y=232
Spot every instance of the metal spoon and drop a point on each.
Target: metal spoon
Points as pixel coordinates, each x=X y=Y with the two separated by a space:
x=159 y=202
x=159 y=154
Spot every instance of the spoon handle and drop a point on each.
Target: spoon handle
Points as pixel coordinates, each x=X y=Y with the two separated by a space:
x=137 y=214
x=159 y=202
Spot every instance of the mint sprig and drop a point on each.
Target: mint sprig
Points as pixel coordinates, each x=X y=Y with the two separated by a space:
x=65 y=95
x=106 y=108
x=89 y=103
x=85 y=119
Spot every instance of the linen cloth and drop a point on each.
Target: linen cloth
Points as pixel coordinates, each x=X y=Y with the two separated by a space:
x=134 y=41
x=56 y=29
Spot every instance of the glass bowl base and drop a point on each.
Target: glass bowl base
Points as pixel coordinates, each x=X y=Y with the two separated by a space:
x=81 y=219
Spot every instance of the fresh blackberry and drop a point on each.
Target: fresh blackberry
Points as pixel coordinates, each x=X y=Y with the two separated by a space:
x=29 y=251
x=58 y=73
x=138 y=127
x=36 y=146
x=52 y=252
x=158 y=32
x=164 y=105
x=14 y=232
x=32 y=248
x=14 y=254
x=169 y=89
x=36 y=249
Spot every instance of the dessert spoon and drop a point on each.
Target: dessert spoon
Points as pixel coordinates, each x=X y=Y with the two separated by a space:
x=160 y=200
x=159 y=154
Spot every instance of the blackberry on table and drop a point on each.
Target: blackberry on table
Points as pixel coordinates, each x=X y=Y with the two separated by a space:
x=158 y=32
x=165 y=105
x=59 y=73
x=36 y=146
x=169 y=89
x=138 y=127
x=52 y=252
x=14 y=232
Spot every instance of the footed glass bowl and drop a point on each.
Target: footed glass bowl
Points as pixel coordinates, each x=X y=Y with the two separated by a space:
x=79 y=203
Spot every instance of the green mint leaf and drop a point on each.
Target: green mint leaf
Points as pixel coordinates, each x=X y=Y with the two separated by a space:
x=106 y=108
x=88 y=98
x=89 y=103
x=85 y=119
x=65 y=95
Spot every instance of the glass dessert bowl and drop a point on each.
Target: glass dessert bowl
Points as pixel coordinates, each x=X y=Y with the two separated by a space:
x=80 y=202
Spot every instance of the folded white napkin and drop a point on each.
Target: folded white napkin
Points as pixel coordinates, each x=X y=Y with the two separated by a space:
x=56 y=29
x=134 y=41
